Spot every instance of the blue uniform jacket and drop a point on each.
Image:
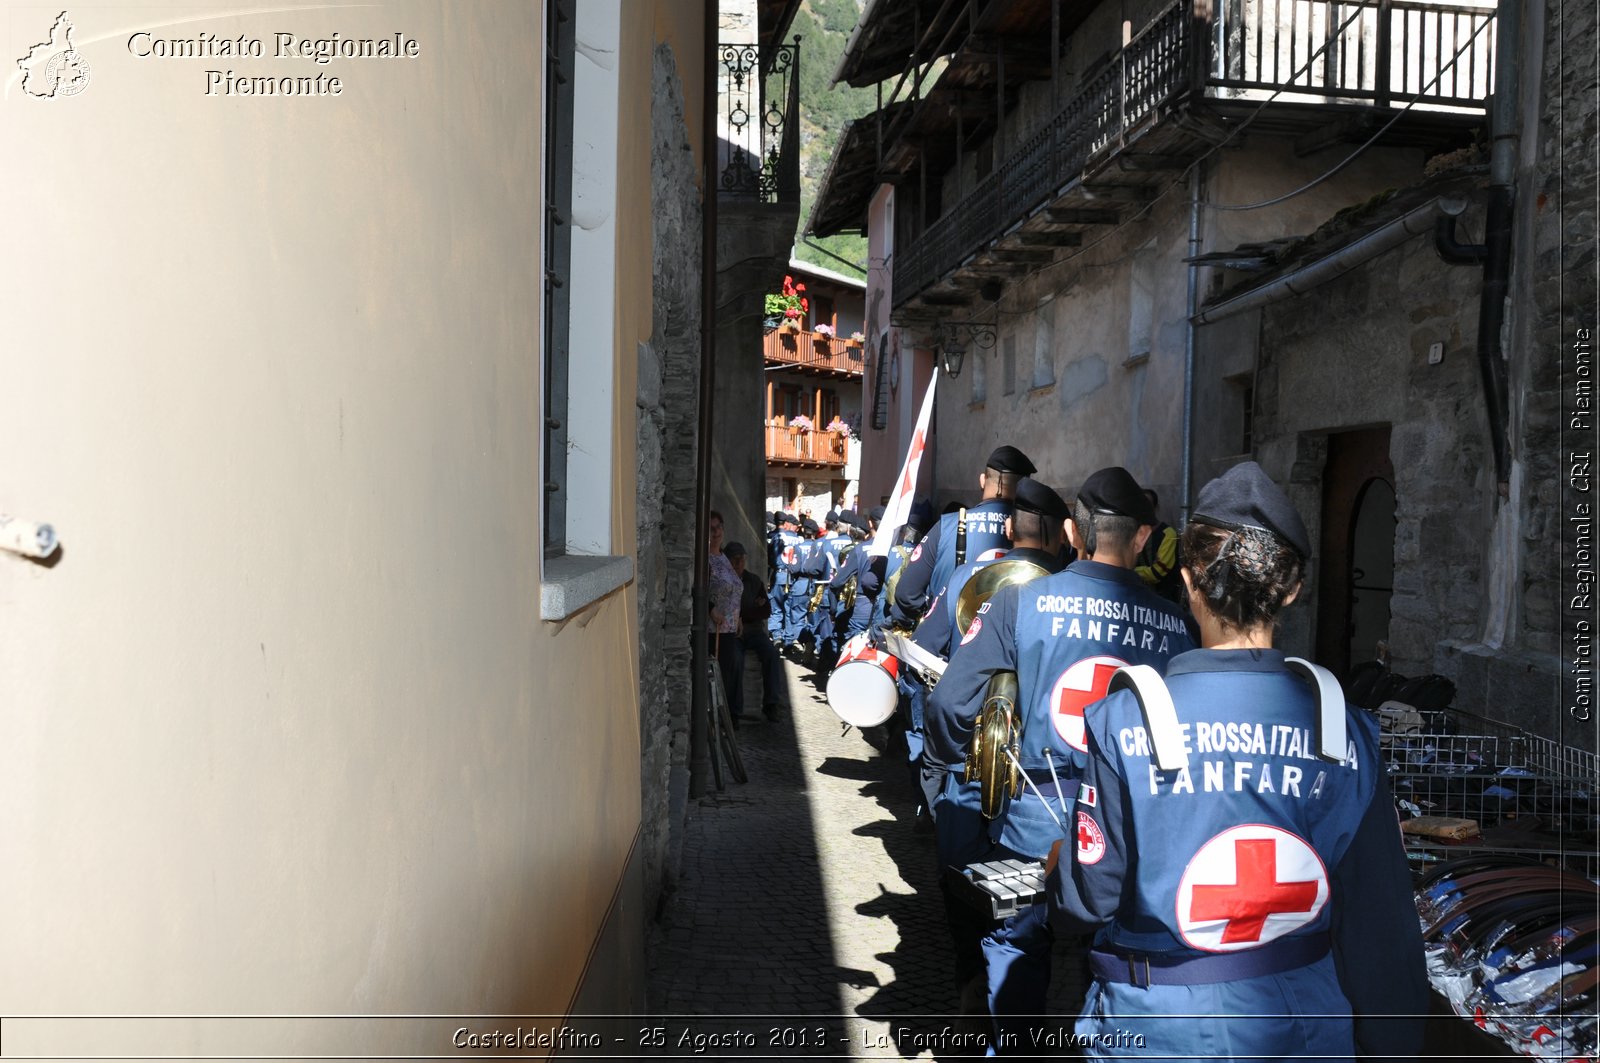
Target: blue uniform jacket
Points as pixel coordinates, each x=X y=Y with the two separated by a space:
x=786 y=547
x=868 y=572
x=1064 y=636
x=933 y=562
x=1256 y=839
x=936 y=633
x=778 y=563
x=832 y=546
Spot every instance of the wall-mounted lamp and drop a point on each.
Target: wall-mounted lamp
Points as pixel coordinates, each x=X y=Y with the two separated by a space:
x=953 y=337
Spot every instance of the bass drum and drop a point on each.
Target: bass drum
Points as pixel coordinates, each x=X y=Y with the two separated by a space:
x=862 y=689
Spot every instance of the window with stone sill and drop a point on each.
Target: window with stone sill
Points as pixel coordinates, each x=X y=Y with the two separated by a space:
x=1142 y=281
x=1044 y=345
x=578 y=233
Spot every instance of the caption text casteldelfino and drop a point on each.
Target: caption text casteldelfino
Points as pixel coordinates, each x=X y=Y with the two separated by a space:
x=319 y=50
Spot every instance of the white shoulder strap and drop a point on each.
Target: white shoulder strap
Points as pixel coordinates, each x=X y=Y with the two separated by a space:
x=1160 y=715
x=1331 y=740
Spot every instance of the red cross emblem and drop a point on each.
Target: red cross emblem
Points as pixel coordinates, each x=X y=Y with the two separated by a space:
x=788 y=555
x=1091 y=840
x=1249 y=885
x=1081 y=685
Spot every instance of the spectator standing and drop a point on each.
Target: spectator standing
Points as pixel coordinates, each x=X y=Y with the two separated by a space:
x=725 y=589
x=754 y=608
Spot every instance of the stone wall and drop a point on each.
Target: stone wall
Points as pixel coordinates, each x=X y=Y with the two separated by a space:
x=1088 y=366
x=1354 y=354
x=754 y=241
x=1552 y=296
x=668 y=401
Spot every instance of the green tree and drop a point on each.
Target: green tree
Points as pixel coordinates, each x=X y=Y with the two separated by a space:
x=824 y=27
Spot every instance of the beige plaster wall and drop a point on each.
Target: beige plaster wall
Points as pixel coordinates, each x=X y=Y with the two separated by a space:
x=280 y=730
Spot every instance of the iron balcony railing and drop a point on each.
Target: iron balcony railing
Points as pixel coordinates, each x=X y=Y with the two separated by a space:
x=758 y=117
x=1378 y=53
x=813 y=350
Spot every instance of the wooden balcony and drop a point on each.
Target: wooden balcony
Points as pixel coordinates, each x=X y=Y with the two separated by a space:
x=813 y=352
x=817 y=450
x=1111 y=149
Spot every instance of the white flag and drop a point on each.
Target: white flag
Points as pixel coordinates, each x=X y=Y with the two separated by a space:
x=898 y=510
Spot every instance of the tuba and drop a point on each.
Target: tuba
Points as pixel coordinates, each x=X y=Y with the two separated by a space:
x=988 y=580
x=996 y=741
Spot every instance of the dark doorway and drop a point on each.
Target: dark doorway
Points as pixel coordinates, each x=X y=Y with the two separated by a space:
x=1356 y=577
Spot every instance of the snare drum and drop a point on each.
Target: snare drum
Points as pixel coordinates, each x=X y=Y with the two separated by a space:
x=862 y=688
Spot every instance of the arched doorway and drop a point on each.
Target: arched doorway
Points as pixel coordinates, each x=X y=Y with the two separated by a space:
x=1371 y=568
x=1356 y=570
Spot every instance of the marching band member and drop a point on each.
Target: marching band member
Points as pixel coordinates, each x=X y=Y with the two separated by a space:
x=1036 y=527
x=1064 y=636
x=956 y=538
x=1237 y=846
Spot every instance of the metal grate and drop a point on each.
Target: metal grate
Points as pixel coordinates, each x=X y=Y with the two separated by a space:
x=1529 y=794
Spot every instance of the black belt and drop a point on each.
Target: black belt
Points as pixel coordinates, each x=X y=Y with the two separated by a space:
x=1155 y=968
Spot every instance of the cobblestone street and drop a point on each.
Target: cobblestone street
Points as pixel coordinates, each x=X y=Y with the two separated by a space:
x=806 y=897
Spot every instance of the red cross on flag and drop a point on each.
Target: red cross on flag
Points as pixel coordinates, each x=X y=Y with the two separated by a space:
x=1249 y=885
x=1082 y=684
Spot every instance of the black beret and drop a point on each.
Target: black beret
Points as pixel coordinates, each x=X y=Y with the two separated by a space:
x=786 y=518
x=856 y=520
x=1246 y=497
x=1010 y=459
x=875 y=513
x=733 y=550
x=1114 y=491
x=833 y=515
x=1037 y=498
x=921 y=516
x=846 y=516
x=810 y=525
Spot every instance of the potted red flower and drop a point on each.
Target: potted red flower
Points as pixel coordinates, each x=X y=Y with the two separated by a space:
x=785 y=309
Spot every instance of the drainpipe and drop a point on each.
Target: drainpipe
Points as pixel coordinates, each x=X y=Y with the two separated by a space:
x=1497 y=232
x=1419 y=220
x=1189 y=344
x=699 y=764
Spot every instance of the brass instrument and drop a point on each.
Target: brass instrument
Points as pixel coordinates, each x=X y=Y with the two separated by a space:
x=904 y=553
x=847 y=594
x=817 y=592
x=996 y=733
x=986 y=582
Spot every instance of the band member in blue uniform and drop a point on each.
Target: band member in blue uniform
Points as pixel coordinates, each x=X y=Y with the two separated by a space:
x=973 y=532
x=911 y=533
x=957 y=537
x=780 y=559
x=1064 y=636
x=1237 y=846
x=1037 y=530
x=867 y=573
x=802 y=560
x=824 y=630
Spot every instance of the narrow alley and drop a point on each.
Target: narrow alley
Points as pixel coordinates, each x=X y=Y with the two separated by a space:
x=809 y=902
